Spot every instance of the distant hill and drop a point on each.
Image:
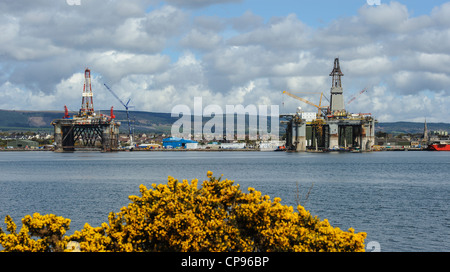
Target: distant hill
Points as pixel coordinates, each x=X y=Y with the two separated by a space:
x=149 y=122
x=410 y=127
x=154 y=122
x=23 y=120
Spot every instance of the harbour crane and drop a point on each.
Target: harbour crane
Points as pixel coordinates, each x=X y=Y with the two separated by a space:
x=130 y=135
x=319 y=107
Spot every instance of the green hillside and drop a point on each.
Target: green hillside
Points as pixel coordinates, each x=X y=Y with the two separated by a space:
x=27 y=120
x=410 y=127
x=152 y=122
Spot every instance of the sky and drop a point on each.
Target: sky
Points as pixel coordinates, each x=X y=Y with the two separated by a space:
x=161 y=54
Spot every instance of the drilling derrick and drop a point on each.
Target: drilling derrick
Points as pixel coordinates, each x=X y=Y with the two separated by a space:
x=337 y=96
x=87 y=103
x=86 y=130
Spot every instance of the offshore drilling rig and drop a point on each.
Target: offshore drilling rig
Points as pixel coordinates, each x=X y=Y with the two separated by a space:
x=332 y=128
x=86 y=130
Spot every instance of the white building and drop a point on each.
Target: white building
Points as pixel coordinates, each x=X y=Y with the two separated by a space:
x=308 y=116
x=270 y=145
x=232 y=145
x=191 y=145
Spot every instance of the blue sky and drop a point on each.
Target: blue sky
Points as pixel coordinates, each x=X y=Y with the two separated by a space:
x=314 y=13
x=165 y=53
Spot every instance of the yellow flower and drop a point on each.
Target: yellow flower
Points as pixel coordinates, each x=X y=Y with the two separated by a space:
x=178 y=216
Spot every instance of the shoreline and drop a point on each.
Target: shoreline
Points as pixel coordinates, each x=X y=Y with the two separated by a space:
x=212 y=150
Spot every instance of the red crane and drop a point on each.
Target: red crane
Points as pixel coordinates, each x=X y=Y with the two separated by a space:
x=355 y=96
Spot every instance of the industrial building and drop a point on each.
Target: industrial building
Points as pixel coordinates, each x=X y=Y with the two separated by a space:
x=332 y=128
x=175 y=142
x=232 y=145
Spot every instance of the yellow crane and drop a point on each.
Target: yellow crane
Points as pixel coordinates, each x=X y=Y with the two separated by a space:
x=306 y=101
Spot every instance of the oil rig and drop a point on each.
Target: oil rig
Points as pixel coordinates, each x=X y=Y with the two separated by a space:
x=331 y=128
x=86 y=130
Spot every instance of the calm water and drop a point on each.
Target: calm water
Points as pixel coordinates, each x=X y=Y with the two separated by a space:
x=401 y=199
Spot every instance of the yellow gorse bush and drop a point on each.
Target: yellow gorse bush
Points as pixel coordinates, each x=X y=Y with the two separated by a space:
x=49 y=228
x=179 y=216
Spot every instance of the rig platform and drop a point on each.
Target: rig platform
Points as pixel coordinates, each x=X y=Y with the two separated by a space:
x=332 y=128
x=86 y=130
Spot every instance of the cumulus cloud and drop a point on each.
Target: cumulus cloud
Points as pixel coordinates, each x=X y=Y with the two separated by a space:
x=161 y=54
x=201 y=40
x=247 y=22
x=385 y=18
x=280 y=33
x=116 y=65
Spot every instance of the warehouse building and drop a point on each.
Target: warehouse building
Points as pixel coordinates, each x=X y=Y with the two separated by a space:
x=175 y=142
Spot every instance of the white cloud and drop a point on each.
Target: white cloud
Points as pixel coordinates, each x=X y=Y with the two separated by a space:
x=441 y=15
x=376 y=65
x=414 y=82
x=15 y=45
x=385 y=17
x=279 y=34
x=201 y=40
x=247 y=22
x=162 y=54
x=116 y=65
